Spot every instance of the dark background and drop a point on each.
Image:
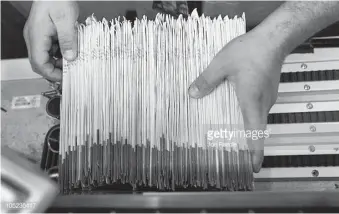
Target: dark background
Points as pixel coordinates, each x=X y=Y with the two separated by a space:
x=12 y=24
x=14 y=14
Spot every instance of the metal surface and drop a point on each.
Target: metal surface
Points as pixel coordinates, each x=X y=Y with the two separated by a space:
x=24 y=129
x=29 y=189
x=304 y=138
x=236 y=200
x=303 y=128
x=298 y=173
x=325 y=55
x=315 y=65
x=305 y=107
x=50 y=152
x=53 y=107
x=297 y=149
x=308 y=91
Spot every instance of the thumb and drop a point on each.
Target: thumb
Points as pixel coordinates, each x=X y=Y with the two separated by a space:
x=212 y=76
x=64 y=17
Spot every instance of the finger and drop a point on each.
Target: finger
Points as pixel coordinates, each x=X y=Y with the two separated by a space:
x=58 y=63
x=53 y=70
x=256 y=143
x=40 y=45
x=65 y=20
x=255 y=121
x=212 y=76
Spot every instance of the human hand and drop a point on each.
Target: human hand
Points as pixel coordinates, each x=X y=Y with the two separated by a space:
x=48 y=24
x=253 y=67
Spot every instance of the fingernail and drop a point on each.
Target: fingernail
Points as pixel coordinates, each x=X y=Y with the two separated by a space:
x=69 y=55
x=257 y=160
x=200 y=88
x=194 y=91
x=256 y=168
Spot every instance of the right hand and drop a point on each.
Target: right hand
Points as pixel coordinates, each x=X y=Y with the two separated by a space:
x=49 y=23
x=252 y=65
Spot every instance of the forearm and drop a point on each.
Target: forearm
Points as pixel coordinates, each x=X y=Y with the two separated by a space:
x=294 y=22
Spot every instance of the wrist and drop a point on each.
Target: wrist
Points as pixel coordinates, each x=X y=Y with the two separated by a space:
x=273 y=43
x=283 y=34
x=294 y=22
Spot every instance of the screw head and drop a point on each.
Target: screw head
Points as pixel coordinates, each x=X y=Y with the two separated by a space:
x=315 y=173
x=311 y=148
x=309 y=106
x=303 y=66
x=307 y=87
x=313 y=128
